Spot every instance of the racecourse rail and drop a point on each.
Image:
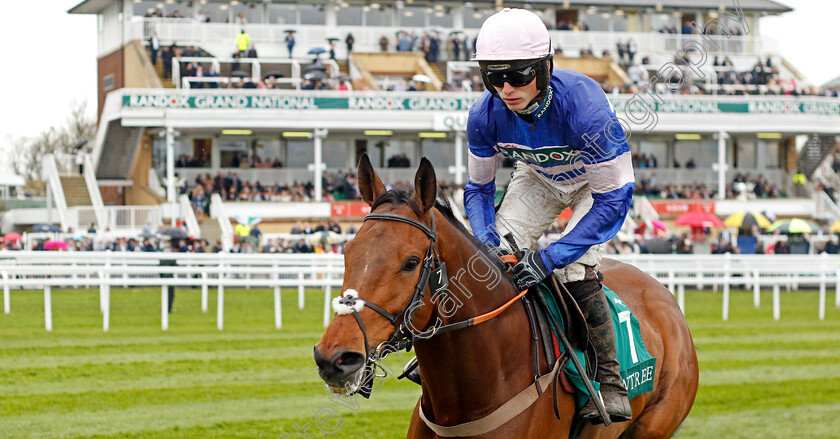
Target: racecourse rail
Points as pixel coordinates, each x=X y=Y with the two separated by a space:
x=46 y=270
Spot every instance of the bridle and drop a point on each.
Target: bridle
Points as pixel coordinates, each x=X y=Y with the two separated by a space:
x=404 y=334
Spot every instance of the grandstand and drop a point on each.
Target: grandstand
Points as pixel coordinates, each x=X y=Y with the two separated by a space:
x=703 y=94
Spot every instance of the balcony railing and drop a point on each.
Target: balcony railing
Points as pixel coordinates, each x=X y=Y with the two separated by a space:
x=218 y=38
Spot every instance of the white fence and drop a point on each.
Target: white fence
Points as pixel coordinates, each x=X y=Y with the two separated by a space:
x=47 y=270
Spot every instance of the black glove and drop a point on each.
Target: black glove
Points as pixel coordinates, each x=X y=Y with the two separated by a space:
x=530 y=270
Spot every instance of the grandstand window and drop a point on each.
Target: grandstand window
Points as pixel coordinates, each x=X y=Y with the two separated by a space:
x=441 y=18
x=252 y=15
x=745 y=156
x=382 y=16
x=597 y=21
x=413 y=16
x=335 y=153
x=312 y=14
x=232 y=151
x=475 y=18
x=661 y=21
x=440 y=152
x=350 y=16
x=650 y=148
x=399 y=153
x=282 y=13
x=771 y=153
x=300 y=153
x=267 y=150
x=704 y=152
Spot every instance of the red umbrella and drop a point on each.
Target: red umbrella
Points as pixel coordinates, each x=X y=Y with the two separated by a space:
x=55 y=245
x=12 y=237
x=699 y=219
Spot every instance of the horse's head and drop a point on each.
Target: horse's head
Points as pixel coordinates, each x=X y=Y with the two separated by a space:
x=383 y=267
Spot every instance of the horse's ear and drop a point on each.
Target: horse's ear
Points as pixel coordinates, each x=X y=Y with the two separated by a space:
x=425 y=185
x=370 y=186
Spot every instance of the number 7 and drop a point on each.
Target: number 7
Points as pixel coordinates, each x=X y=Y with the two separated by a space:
x=624 y=316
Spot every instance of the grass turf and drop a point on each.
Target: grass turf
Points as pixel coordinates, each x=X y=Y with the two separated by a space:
x=759 y=378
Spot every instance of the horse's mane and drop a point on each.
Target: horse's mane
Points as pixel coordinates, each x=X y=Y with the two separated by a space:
x=399 y=196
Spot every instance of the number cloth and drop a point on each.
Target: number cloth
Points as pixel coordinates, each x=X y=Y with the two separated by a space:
x=637 y=365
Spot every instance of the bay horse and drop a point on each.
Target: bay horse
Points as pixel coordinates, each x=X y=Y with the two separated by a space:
x=469 y=373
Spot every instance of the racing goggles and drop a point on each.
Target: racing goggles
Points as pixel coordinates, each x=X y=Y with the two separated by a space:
x=516 y=78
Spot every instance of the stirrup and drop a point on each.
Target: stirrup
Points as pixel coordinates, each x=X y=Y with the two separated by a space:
x=411 y=371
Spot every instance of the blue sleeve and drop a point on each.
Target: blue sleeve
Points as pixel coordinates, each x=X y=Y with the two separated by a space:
x=606 y=157
x=480 y=190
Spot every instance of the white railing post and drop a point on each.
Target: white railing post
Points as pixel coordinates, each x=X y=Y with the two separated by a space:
x=776 y=302
x=204 y=288
x=7 y=300
x=48 y=308
x=106 y=316
x=822 y=297
x=300 y=290
x=756 y=289
x=164 y=307
x=681 y=297
x=327 y=300
x=726 y=302
x=278 y=307
x=836 y=289
x=220 y=294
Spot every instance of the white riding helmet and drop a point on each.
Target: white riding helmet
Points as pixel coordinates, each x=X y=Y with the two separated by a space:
x=512 y=34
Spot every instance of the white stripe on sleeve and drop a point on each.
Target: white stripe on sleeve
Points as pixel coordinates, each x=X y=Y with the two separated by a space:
x=610 y=175
x=482 y=170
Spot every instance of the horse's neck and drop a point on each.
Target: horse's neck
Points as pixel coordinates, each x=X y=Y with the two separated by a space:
x=469 y=372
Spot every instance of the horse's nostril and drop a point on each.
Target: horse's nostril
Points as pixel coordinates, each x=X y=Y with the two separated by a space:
x=349 y=361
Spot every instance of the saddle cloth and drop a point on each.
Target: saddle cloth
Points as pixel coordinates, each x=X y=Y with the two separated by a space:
x=637 y=365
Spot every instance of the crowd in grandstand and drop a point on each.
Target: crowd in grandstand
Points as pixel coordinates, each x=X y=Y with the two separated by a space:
x=742 y=185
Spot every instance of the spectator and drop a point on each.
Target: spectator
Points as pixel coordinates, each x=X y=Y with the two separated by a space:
x=154 y=48
x=243 y=40
x=290 y=42
x=349 y=41
x=383 y=43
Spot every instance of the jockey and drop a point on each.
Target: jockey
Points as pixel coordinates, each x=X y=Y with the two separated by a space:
x=570 y=151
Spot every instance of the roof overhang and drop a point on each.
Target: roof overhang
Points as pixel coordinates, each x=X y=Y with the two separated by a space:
x=90 y=7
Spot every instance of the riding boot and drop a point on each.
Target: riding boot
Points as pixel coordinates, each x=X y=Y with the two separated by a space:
x=596 y=310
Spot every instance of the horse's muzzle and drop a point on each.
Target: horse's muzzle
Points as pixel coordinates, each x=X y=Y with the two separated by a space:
x=340 y=368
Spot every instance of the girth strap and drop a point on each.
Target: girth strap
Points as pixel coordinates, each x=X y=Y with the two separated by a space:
x=502 y=415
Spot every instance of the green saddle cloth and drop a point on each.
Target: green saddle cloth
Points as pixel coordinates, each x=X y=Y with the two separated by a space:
x=637 y=365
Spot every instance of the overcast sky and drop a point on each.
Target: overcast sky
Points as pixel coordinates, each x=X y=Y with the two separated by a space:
x=51 y=57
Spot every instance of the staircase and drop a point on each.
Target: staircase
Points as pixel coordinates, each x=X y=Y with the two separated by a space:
x=118 y=151
x=812 y=155
x=167 y=82
x=439 y=68
x=343 y=67
x=75 y=191
x=210 y=230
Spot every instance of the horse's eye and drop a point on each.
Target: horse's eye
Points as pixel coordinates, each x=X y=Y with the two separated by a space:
x=411 y=263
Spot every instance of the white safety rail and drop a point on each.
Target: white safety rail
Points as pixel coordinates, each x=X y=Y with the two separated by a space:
x=47 y=270
x=188 y=215
x=254 y=64
x=219 y=38
x=54 y=189
x=754 y=272
x=89 y=173
x=217 y=210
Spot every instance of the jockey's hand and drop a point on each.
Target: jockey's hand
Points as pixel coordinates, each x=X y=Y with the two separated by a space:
x=530 y=270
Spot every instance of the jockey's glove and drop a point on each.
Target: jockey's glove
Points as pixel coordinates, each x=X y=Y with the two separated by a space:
x=531 y=269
